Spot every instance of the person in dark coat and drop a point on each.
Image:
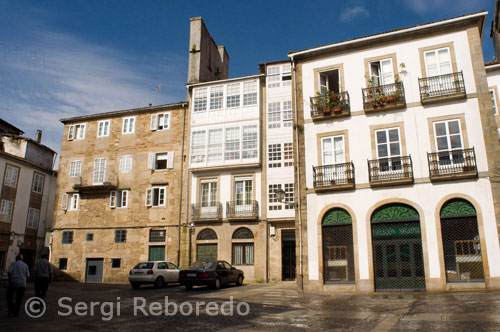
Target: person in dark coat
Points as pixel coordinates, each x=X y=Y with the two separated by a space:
x=18 y=273
x=43 y=276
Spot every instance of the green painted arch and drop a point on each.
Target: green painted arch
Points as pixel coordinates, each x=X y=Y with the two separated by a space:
x=395 y=212
x=337 y=216
x=457 y=207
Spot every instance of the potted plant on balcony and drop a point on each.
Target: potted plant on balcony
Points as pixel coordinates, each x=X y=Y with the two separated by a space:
x=323 y=102
x=336 y=102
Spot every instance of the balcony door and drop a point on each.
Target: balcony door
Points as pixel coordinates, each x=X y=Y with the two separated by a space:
x=437 y=62
x=332 y=153
x=388 y=149
x=243 y=196
x=381 y=72
x=449 y=143
x=208 y=199
x=329 y=81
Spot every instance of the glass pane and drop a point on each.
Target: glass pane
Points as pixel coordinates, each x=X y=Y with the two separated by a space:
x=327 y=151
x=440 y=129
x=444 y=61
x=456 y=142
x=453 y=127
x=382 y=151
x=393 y=135
x=381 y=137
x=395 y=150
x=339 y=149
x=249 y=254
x=238 y=254
x=431 y=64
x=442 y=143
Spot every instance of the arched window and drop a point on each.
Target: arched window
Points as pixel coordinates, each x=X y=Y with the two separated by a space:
x=338 y=252
x=206 y=252
x=243 y=247
x=461 y=244
x=207 y=234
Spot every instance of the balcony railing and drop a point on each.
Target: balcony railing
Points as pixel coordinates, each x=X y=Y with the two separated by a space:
x=390 y=171
x=384 y=97
x=242 y=210
x=330 y=105
x=86 y=184
x=334 y=177
x=206 y=212
x=451 y=165
x=440 y=87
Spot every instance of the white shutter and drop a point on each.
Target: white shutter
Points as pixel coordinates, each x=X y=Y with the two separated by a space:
x=154 y=121
x=151 y=160
x=112 y=199
x=170 y=159
x=387 y=71
x=71 y=133
x=166 y=121
x=64 y=202
x=149 y=197
x=323 y=83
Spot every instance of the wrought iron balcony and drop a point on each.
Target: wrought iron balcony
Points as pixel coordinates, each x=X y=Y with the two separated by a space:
x=86 y=184
x=206 y=212
x=242 y=210
x=334 y=177
x=442 y=87
x=384 y=97
x=390 y=171
x=452 y=165
x=330 y=105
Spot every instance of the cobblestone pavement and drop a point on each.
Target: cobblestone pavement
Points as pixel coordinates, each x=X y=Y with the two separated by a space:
x=272 y=308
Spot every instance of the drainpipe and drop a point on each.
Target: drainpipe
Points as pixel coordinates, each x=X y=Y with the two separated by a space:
x=301 y=269
x=181 y=185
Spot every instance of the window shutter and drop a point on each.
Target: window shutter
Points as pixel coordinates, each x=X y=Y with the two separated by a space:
x=149 y=197
x=151 y=160
x=166 y=121
x=170 y=159
x=82 y=132
x=154 y=122
x=71 y=133
x=64 y=202
x=112 y=199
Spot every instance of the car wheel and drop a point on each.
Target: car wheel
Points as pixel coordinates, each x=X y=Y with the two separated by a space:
x=217 y=284
x=189 y=287
x=159 y=282
x=240 y=280
x=135 y=285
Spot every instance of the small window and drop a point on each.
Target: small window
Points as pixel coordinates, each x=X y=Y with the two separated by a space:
x=11 y=176
x=120 y=235
x=125 y=164
x=200 y=100
x=273 y=77
x=116 y=263
x=438 y=62
x=232 y=144
x=75 y=168
x=216 y=97
x=76 y=132
x=73 y=202
x=242 y=253
x=103 y=128
x=287 y=113
x=288 y=154
x=381 y=72
x=274 y=155
x=6 y=210
x=155 y=196
x=118 y=199
x=90 y=237
x=233 y=95
x=67 y=237
x=160 y=121
x=33 y=216
x=329 y=81
x=161 y=160
x=128 y=125
x=289 y=196
x=198 y=146
x=274 y=204
x=274 y=114
x=99 y=170
x=494 y=101
x=250 y=93
x=157 y=235
x=63 y=264
x=38 y=180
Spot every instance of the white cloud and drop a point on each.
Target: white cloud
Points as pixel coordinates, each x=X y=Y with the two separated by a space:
x=350 y=13
x=454 y=7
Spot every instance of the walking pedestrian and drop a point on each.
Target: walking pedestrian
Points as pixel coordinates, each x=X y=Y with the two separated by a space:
x=18 y=273
x=43 y=276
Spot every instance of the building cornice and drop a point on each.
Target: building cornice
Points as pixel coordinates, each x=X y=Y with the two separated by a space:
x=241 y=78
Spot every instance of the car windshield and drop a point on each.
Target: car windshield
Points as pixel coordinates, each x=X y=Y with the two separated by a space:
x=203 y=266
x=141 y=266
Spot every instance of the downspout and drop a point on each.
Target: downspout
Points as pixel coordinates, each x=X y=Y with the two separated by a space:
x=181 y=185
x=299 y=202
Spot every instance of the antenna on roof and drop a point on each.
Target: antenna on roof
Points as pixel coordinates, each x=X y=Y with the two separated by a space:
x=158 y=89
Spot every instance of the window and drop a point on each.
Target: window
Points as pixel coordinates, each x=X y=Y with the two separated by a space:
x=381 y=72
x=250 y=93
x=287 y=113
x=75 y=168
x=125 y=164
x=494 y=101
x=243 y=191
x=90 y=237
x=6 y=210
x=274 y=204
x=198 y=146
x=274 y=114
x=448 y=135
x=120 y=235
x=118 y=199
x=128 y=125
x=232 y=144
x=155 y=196
x=73 y=201
x=103 y=128
x=242 y=253
x=233 y=95
x=160 y=121
x=330 y=81
x=116 y=263
x=215 y=145
x=288 y=154
x=63 y=264
x=11 y=175
x=208 y=195
x=200 y=100
x=286 y=74
x=157 y=235
x=274 y=155
x=388 y=147
x=289 y=196
x=249 y=142
x=216 y=96
x=333 y=150
x=38 y=180
x=33 y=216
x=498 y=130
x=273 y=77
x=161 y=160
x=76 y=131
x=437 y=62
x=99 y=170
x=67 y=237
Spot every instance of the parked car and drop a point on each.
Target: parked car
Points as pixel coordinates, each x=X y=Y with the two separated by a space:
x=214 y=274
x=156 y=273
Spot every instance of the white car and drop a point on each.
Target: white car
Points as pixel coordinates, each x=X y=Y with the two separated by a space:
x=156 y=273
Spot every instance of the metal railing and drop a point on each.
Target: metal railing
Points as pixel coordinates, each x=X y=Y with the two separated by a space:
x=441 y=86
x=210 y=211
x=241 y=209
x=390 y=169
x=384 y=96
x=330 y=104
x=452 y=162
x=333 y=175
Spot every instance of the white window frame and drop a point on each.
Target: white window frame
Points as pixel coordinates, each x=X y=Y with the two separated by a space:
x=215 y=145
x=287 y=113
x=103 y=128
x=119 y=199
x=274 y=155
x=250 y=94
x=234 y=141
x=439 y=67
x=165 y=155
x=272 y=202
x=274 y=114
x=11 y=176
x=74 y=202
x=198 y=146
x=126 y=164
x=33 y=218
x=273 y=78
x=76 y=131
x=128 y=126
x=448 y=140
x=217 y=98
x=200 y=100
x=38 y=182
x=160 y=121
x=161 y=192
x=245 y=191
x=383 y=78
x=333 y=151
x=6 y=209
x=99 y=176
x=388 y=143
x=75 y=168
x=210 y=198
x=233 y=95
x=493 y=96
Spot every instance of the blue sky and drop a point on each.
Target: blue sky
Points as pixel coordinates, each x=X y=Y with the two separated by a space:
x=64 y=58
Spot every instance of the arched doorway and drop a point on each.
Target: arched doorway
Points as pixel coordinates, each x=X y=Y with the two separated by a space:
x=397 y=248
x=461 y=246
x=338 y=251
x=206 y=246
x=242 y=247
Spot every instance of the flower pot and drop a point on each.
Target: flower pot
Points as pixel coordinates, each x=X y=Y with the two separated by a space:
x=337 y=109
x=327 y=110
